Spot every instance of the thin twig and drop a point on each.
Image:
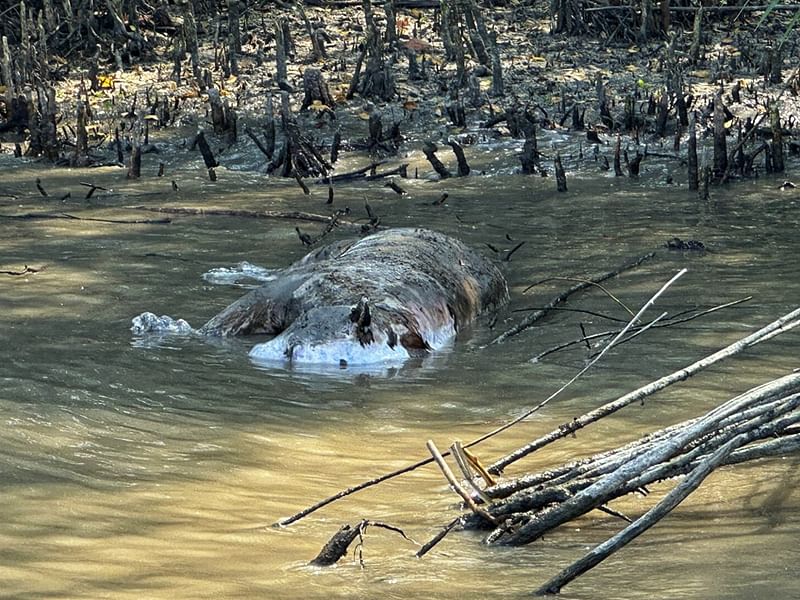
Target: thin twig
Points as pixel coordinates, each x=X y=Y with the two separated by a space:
x=438 y=537
x=588 y=282
x=576 y=310
x=638 y=331
x=669 y=322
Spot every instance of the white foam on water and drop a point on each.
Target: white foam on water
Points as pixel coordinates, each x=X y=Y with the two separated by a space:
x=241 y=273
x=346 y=351
x=148 y=322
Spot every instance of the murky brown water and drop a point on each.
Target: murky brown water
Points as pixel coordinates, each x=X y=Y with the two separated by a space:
x=130 y=471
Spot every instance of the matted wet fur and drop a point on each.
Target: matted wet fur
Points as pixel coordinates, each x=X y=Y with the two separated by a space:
x=388 y=295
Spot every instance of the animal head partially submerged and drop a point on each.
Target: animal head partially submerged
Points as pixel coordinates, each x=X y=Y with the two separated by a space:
x=335 y=335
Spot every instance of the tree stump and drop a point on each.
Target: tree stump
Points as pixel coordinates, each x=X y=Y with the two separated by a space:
x=315 y=89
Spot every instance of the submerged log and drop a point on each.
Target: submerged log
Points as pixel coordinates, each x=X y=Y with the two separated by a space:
x=429 y=150
x=337 y=546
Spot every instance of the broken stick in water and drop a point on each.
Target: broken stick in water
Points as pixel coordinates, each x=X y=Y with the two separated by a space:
x=337 y=546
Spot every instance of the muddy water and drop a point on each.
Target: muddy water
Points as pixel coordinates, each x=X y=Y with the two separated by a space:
x=155 y=470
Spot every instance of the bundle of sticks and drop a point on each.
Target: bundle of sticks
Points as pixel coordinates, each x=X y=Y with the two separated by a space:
x=761 y=422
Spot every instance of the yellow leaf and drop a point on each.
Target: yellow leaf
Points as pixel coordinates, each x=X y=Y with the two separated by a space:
x=106 y=82
x=363 y=116
x=318 y=106
x=409 y=105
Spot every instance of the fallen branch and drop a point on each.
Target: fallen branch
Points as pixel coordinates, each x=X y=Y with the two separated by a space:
x=25 y=271
x=562 y=483
x=337 y=546
x=532 y=318
x=451 y=479
x=680 y=492
x=44 y=216
x=668 y=322
x=253 y=214
x=778 y=326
